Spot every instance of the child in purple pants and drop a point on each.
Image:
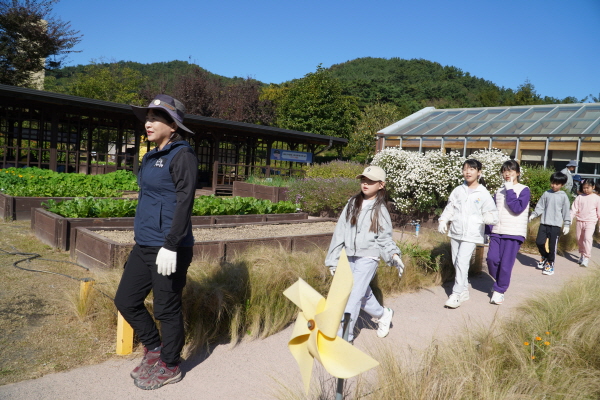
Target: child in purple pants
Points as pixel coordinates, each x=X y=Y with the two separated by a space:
x=512 y=201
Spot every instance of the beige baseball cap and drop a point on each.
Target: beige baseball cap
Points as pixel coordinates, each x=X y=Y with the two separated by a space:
x=373 y=173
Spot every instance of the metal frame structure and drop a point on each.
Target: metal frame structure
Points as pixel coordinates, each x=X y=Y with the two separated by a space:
x=548 y=135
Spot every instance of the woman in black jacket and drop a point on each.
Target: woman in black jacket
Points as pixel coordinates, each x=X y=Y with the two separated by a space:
x=163 y=243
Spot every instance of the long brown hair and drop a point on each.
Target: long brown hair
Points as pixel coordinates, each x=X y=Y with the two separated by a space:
x=355 y=205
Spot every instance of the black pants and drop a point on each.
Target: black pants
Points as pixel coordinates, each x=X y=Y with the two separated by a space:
x=550 y=233
x=139 y=277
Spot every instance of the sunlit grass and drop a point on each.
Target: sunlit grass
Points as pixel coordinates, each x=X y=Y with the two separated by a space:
x=495 y=362
x=243 y=299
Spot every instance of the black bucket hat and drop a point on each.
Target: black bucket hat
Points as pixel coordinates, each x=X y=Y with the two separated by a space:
x=172 y=106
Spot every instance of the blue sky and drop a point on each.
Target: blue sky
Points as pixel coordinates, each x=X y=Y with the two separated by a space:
x=554 y=44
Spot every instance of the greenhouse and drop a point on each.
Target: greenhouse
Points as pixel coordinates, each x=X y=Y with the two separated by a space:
x=548 y=135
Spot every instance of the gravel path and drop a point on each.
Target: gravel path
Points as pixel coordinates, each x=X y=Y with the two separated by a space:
x=239 y=232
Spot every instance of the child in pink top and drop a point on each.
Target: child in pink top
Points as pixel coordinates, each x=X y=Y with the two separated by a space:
x=586 y=208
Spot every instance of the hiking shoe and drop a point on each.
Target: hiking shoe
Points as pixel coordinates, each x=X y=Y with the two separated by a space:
x=585 y=261
x=497 y=298
x=384 y=322
x=548 y=269
x=149 y=360
x=541 y=263
x=159 y=376
x=455 y=300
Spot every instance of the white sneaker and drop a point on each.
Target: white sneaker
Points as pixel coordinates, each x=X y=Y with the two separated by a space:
x=455 y=300
x=541 y=263
x=585 y=261
x=497 y=298
x=580 y=260
x=384 y=322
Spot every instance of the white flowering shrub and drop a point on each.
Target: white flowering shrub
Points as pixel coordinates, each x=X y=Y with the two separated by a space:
x=492 y=161
x=422 y=182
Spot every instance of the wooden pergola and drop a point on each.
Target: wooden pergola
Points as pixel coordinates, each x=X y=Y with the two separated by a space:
x=74 y=134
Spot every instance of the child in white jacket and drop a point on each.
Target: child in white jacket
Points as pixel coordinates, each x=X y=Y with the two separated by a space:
x=364 y=230
x=470 y=207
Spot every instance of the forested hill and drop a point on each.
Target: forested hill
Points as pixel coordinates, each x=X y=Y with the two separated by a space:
x=161 y=74
x=409 y=84
x=417 y=83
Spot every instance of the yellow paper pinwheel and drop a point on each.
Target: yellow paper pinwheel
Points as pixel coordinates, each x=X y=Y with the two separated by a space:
x=315 y=331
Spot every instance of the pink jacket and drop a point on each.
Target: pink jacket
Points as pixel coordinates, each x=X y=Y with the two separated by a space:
x=586 y=208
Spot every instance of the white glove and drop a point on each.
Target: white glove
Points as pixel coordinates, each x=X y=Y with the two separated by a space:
x=531 y=217
x=508 y=185
x=166 y=260
x=443 y=227
x=565 y=229
x=488 y=218
x=397 y=262
x=332 y=270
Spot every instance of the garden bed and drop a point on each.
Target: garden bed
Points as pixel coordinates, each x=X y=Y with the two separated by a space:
x=110 y=247
x=57 y=231
x=15 y=208
x=273 y=193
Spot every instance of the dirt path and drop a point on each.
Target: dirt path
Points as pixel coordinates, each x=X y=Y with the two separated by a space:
x=258 y=369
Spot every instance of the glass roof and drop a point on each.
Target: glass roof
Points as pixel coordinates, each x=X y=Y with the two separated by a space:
x=540 y=121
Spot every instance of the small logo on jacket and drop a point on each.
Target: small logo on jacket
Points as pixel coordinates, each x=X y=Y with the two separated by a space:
x=159 y=163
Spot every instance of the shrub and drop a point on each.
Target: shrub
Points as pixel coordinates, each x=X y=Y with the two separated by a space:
x=335 y=169
x=422 y=182
x=538 y=180
x=419 y=182
x=316 y=195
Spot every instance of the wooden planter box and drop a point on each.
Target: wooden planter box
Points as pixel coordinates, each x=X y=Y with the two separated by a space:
x=57 y=231
x=93 y=250
x=20 y=208
x=275 y=194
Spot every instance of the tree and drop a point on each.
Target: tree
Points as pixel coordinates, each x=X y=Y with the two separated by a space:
x=526 y=95
x=205 y=94
x=372 y=119
x=316 y=104
x=107 y=81
x=31 y=40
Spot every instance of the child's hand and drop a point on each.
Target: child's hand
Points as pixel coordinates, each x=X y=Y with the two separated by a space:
x=443 y=227
x=397 y=262
x=531 y=217
x=332 y=271
x=566 y=229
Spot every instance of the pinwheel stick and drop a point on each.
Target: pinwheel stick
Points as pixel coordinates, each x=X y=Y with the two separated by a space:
x=339 y=395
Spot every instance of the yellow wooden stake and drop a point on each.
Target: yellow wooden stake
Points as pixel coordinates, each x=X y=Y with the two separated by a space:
x=124 y=336
x=84 y=288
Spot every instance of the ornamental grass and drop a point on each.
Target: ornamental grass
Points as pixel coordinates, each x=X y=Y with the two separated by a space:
x=242 y=299
x=498 y=362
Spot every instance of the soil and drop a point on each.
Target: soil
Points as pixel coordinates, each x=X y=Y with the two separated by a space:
x=239 y=232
